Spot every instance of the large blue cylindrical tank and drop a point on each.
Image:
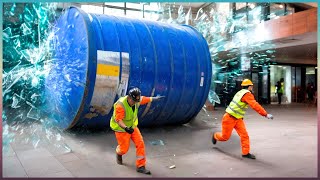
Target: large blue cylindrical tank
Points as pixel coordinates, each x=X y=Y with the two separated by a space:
x=98 y=58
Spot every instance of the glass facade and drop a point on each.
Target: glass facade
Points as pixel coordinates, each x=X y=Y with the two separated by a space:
x=137 y=10
x=255 y=14
x=276 y=10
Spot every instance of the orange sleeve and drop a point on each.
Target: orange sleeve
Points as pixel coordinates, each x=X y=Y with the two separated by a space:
x=120 y=113
x=249 y=99
x=145 y=100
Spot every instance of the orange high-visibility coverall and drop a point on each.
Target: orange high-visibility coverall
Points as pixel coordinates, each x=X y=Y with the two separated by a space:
x=229 y=122
x=123 y=138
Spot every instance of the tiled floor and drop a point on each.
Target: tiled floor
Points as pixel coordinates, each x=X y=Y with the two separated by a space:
x=285 y=147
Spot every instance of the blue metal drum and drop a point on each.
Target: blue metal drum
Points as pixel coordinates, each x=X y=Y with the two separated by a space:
x=98 y=58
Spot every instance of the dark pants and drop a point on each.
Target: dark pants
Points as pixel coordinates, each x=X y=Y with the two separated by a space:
x=279 y=98
x=310 y=96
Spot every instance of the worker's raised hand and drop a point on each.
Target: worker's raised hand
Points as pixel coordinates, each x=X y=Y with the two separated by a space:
x=158 y=97
x=129 y=130
x=269 y=116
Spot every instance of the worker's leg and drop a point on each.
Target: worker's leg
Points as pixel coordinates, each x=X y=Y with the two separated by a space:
x=140 y=149
x=279 y=98
x=228 y=122
x=123 y=139
x=244 y=137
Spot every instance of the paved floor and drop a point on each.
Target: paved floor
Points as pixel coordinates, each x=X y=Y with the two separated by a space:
x=284 y=147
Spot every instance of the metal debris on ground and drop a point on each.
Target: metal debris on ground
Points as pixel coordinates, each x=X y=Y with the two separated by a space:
x=205 y=110
x=157 y=142
x=172 y=167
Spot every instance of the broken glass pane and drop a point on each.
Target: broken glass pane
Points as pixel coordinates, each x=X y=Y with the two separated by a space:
x=26 y=54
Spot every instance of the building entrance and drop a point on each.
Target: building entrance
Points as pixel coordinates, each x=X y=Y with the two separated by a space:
x=280 y=84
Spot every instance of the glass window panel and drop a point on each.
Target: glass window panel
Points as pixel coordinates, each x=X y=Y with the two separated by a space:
x=252 y=5
x=134 y=14
x=118 y=4
x=114 y=11
x=92 y=9
x=134 y=5
x=152 y=7
x=240 y=22
x=276 y=9
x=151 y=16
x=254 y=16
x=290 y=10
x=240 y=6
x=223 y=8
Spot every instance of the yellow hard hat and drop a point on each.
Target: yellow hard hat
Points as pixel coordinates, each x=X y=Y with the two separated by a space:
x=246 y=82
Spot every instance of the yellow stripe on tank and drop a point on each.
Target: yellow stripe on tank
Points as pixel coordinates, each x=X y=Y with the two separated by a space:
x=108 y=70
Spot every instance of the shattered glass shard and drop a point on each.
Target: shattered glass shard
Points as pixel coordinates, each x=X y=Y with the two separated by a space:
x=25 y=30
x=157 y=142
x=15 y=101
x=7 y=34
x=34 y=113
x=213 y=97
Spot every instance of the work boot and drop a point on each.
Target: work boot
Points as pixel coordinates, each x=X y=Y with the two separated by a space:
x=143 y=170
x=214 y=141
x=250 y=156
x=119 y=159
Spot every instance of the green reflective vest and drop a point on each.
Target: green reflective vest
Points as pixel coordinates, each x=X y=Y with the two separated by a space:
x=281 y=89
x=237 y=108
x=130 y=119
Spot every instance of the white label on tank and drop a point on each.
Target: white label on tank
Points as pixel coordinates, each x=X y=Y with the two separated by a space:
x=201 y=81
x=107 y=82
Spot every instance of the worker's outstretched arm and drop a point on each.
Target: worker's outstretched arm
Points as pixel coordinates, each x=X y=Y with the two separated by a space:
x=249 y=99
x=145 y=100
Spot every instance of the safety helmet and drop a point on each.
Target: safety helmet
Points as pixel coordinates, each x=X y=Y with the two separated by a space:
x=135 y=94
x=246 y=82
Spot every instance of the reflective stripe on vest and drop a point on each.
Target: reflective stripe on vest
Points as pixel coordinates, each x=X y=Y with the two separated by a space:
x=130 y=119
x=118 y=150
x=237 y=108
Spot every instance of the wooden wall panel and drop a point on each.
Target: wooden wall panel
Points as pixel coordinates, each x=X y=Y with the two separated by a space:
x=285 y=26
x=299 y=25
x=312 y=20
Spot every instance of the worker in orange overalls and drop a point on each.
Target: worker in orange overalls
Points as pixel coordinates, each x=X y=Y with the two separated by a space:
x=124 y=122
x=233 y=118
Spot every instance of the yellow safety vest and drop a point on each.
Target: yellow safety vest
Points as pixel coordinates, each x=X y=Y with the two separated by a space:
x=281 y=90
x=237 y=108
x=130 y=119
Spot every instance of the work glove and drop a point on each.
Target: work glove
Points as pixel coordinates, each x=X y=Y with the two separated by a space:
x=269 y=116
x=158 y=97
x=129 y=130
